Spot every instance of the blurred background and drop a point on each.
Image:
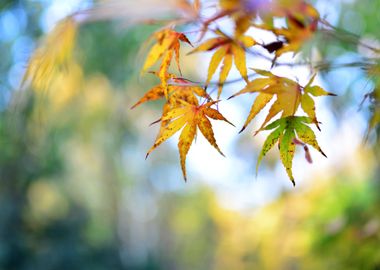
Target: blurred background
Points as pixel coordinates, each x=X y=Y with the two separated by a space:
x=77 y=193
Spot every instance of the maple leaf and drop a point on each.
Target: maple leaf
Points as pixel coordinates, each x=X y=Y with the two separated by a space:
x=307 y=102
x=190 y=11
x=228 y=50
x=182 y=91
x=189 y=118
x=242 y=12
x=300 y=9
x=168 y=43
x=54 y=53
x=289 y=96
x=236 y=10
x=295 y=35
x=287 y=133
x=302 y=20
x=177 y=89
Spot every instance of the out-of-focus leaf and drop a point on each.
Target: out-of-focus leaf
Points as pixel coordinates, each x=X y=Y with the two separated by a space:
x=53 y=55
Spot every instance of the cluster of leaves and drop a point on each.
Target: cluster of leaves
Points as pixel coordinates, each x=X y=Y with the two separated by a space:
x=190 y=106
x=184 y=107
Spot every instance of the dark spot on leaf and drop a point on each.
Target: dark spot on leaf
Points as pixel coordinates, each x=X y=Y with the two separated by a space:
x=274 y=46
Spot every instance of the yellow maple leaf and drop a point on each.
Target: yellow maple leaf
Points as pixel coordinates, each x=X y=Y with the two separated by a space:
x=189 y=118
x=302 y=20
x=242 y=12
x=228 y=50
x=54 y=53
x=295 y=35
x=168 y=43
x=178 y=89
x=289 y=96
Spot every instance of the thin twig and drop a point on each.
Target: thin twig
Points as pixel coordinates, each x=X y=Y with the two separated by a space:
x=349 y=36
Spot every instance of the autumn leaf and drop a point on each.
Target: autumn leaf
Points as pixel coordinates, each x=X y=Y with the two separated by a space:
x=307 y=102
x=289 y=95
x=302 y=20
x=240 y=12
x=287 y=91
x=190 y=10
x=226 y=51
x=53 y=55
x=177 y=94
x=168 y=44
x=189 y=118
x=179 y=89
x=167 y=40
x=243 y=12
x=236 y=10
x=287 y=132
x=295 y=35
x=299 y=9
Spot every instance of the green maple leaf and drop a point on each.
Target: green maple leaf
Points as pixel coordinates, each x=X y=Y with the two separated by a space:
x=287 y=132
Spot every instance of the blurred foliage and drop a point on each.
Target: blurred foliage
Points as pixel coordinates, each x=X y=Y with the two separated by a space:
x=333 y=226
x=69 y=197
x=119 y=65
x=354 y=39
x=45 y=223
x=42 y=226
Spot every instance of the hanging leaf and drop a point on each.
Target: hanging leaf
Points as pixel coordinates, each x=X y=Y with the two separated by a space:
x=176 y=93
x=289 y=95
x=243 y=12
x=287 y=131
x=181 y=91
x=302 y=21
x=307 y=102
x=190 y=11
x=189 y=117
x=226 y=50
x=168 y=44
x=53 y=55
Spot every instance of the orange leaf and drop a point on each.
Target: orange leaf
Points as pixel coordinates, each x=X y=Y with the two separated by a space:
x=168 y=42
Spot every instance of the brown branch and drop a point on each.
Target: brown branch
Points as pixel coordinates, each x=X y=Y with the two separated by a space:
x=319 y=66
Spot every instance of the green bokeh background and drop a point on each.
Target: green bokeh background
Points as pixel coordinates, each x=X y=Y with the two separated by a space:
x=73 y=195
